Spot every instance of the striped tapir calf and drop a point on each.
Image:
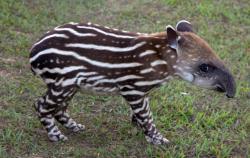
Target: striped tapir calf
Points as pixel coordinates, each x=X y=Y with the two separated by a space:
x=93 y=58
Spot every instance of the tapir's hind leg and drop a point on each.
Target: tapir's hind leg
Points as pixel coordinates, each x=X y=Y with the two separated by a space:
x=53 y=106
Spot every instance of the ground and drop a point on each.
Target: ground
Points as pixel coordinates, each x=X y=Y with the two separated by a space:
x=198 y=122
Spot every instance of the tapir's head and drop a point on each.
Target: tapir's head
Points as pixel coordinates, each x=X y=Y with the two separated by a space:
x=197 y=62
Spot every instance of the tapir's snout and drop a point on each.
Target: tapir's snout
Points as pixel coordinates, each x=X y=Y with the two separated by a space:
x=226 y=83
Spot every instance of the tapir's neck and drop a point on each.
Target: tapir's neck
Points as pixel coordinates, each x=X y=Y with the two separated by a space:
x=158 y=42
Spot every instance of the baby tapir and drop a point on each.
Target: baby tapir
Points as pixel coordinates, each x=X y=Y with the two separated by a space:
x=93 y=58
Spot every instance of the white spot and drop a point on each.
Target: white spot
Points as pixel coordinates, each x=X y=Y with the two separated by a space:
x=57 y=61
x=169 y=51
x=172 y=56
x=166 y=73
x=157 y=46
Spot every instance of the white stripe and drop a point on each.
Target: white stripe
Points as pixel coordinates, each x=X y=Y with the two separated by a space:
x=126 y=86
x=132 y=92
x=113 y=89
x=59 y=82
x=56 y=93
x=48 y=80
x=105 y=33
x=135 y=102
x=42 y=110
x=59 y=70
x=74 y=32
x=145 y=114
x=108 y=48
x=66 y=94
x=77 y=78
x=145 y=103
x=158 y=62
x=147 y=52
x=51 y=36
x=144 y=71
x=148 y=83
x=77 y=56
x=120 y=79
x=49 y=100
x=69 y=82
x=95 y=78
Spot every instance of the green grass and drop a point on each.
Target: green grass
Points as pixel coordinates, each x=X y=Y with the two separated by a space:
x=202 y=123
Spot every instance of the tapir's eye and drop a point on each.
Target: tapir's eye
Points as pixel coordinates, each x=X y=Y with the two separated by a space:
x=206 y=68
x=181 y=40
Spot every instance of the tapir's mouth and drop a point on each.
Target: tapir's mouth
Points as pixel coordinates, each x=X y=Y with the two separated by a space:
x=220 y=88
x=227 y=87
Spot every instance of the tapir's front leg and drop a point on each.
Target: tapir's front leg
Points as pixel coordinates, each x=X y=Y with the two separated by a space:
x=143 y=116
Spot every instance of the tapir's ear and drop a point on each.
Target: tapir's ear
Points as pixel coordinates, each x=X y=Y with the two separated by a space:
x=184 y=26
x=172 y=37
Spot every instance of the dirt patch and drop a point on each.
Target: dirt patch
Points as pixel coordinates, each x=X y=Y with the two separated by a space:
x=4 y=73
x=7 y=60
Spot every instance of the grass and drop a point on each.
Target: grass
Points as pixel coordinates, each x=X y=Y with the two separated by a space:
x=200 y=123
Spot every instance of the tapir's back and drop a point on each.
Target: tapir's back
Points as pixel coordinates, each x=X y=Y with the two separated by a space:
x=83 y=40
x=94 y=55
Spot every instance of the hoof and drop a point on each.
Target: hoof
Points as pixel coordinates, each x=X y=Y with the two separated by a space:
x=157 y=140
x=78 y=128
x=58 y=137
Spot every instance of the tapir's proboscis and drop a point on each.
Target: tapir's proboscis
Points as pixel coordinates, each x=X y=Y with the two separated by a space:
x=93 y=58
